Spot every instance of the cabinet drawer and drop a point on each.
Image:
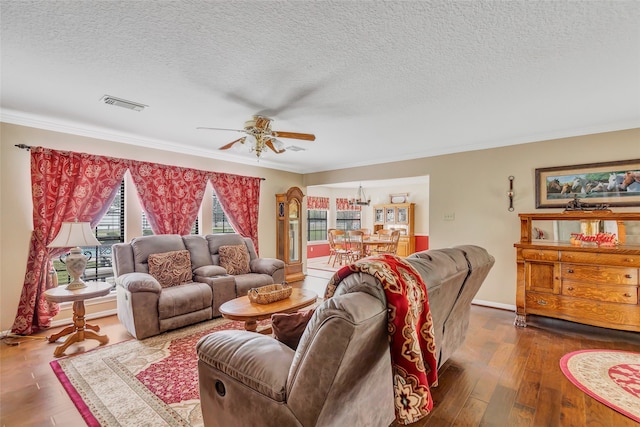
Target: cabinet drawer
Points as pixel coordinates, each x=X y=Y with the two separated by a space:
x=582 y=310
x=619 y=294
x=599 y=274
x=540 y=254
x=600 y=258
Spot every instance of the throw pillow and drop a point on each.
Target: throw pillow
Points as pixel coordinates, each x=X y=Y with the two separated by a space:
x=235 y=259
x=170 y=268
x=288 y=328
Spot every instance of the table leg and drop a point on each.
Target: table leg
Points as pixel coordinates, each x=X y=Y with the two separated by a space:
x=250 y=325
x=80 y=333
x=92 y=327
x=66 y=331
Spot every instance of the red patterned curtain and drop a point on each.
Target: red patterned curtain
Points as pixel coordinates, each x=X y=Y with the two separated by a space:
x=240 y=199
x=318 y=203
x=342 y=204
x=170 y=195
x=65 y=187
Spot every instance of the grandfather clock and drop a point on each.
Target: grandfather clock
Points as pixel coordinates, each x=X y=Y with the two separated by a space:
x=289 y=233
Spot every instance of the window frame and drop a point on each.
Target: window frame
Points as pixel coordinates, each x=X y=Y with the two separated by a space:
x=313 y=221
x=341 y=223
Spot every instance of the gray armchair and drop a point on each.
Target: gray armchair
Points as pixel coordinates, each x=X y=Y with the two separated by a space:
x=333 y=378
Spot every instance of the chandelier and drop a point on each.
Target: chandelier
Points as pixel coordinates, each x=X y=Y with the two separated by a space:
x=360 y=199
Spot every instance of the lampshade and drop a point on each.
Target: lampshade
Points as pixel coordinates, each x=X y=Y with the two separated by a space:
x=74 y=234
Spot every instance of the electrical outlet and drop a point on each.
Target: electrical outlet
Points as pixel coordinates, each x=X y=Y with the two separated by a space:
x=449 y=216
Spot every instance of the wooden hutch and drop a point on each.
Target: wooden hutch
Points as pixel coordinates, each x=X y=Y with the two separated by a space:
x=397 y=216
x=289 y=233
x=584 y=283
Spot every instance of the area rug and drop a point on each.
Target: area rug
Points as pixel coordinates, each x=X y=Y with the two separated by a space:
x=152 y=382
x=609 y=376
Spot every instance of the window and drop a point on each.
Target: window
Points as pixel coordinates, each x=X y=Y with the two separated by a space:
x=109 y=230
x=348 y=220
x=316 y=225
x=220 y=221
x=146 y=227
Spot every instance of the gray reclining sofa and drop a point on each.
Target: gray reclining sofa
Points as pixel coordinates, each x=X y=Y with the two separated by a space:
x=146 y=308
x=340 y=372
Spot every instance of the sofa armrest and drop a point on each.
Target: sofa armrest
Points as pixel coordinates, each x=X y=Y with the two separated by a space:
x=139 y=282
x=258 y=361
x=266 y=265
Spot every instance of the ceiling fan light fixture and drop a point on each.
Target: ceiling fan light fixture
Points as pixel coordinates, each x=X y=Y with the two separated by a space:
x=260 y=138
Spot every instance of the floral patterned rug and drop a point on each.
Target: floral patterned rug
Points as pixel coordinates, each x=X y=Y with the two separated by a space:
x=152 y=382
x=609 y=376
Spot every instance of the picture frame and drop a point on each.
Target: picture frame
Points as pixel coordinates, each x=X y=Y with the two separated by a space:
x=608 y=183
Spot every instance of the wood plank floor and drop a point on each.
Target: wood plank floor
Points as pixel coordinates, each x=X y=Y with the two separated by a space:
x=502 y=376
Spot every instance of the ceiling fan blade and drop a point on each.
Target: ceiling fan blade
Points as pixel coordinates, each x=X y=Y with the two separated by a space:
x=231 y=130
x=227 y=146
x=294 y=135
x=275 y=150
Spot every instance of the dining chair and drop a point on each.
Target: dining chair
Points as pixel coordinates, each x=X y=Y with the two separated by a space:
x=392 y=247
x=337 y=247
x=383 y=233
x=356 y=247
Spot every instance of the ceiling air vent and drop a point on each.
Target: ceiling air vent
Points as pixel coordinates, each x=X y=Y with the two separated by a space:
x=295 y=148
x=130 y=105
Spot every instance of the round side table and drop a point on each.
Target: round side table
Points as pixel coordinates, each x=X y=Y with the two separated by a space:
x=79 y=328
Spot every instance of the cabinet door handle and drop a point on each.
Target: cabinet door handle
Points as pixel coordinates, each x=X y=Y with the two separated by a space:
x=542 y=302
x=570 y=288
x=627 y=294
x=570 y=270
x=628 y=276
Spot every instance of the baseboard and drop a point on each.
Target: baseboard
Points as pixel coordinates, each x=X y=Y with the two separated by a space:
x=492 y=304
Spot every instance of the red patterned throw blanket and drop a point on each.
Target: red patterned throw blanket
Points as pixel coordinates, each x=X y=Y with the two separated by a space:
x=412 y=343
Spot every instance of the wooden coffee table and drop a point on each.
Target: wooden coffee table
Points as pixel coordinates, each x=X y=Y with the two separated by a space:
x=243 y=309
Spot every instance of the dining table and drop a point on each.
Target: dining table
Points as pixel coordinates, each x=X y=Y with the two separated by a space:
x=374 y=243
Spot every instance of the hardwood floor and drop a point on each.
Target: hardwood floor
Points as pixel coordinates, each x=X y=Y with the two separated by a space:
x=502 y=376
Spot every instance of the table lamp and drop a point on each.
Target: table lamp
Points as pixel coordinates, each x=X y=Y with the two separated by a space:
x=73 y=235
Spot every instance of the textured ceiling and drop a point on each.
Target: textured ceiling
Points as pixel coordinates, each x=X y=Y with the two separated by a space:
x=374 y=81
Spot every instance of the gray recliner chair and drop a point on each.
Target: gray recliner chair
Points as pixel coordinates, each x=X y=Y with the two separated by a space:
x=333 y=378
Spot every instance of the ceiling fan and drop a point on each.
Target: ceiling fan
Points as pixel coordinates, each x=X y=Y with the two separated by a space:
x=260 y=136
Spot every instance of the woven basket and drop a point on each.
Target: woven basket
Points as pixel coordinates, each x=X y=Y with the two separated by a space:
x=270 y=293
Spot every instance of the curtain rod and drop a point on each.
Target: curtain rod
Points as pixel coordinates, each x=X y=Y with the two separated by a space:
x=28 y=147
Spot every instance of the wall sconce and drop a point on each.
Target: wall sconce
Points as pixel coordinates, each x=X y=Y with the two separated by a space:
x=510 y=193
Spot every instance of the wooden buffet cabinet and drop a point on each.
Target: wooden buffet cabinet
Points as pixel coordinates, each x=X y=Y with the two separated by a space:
x=397 y=216
x=595 y=285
